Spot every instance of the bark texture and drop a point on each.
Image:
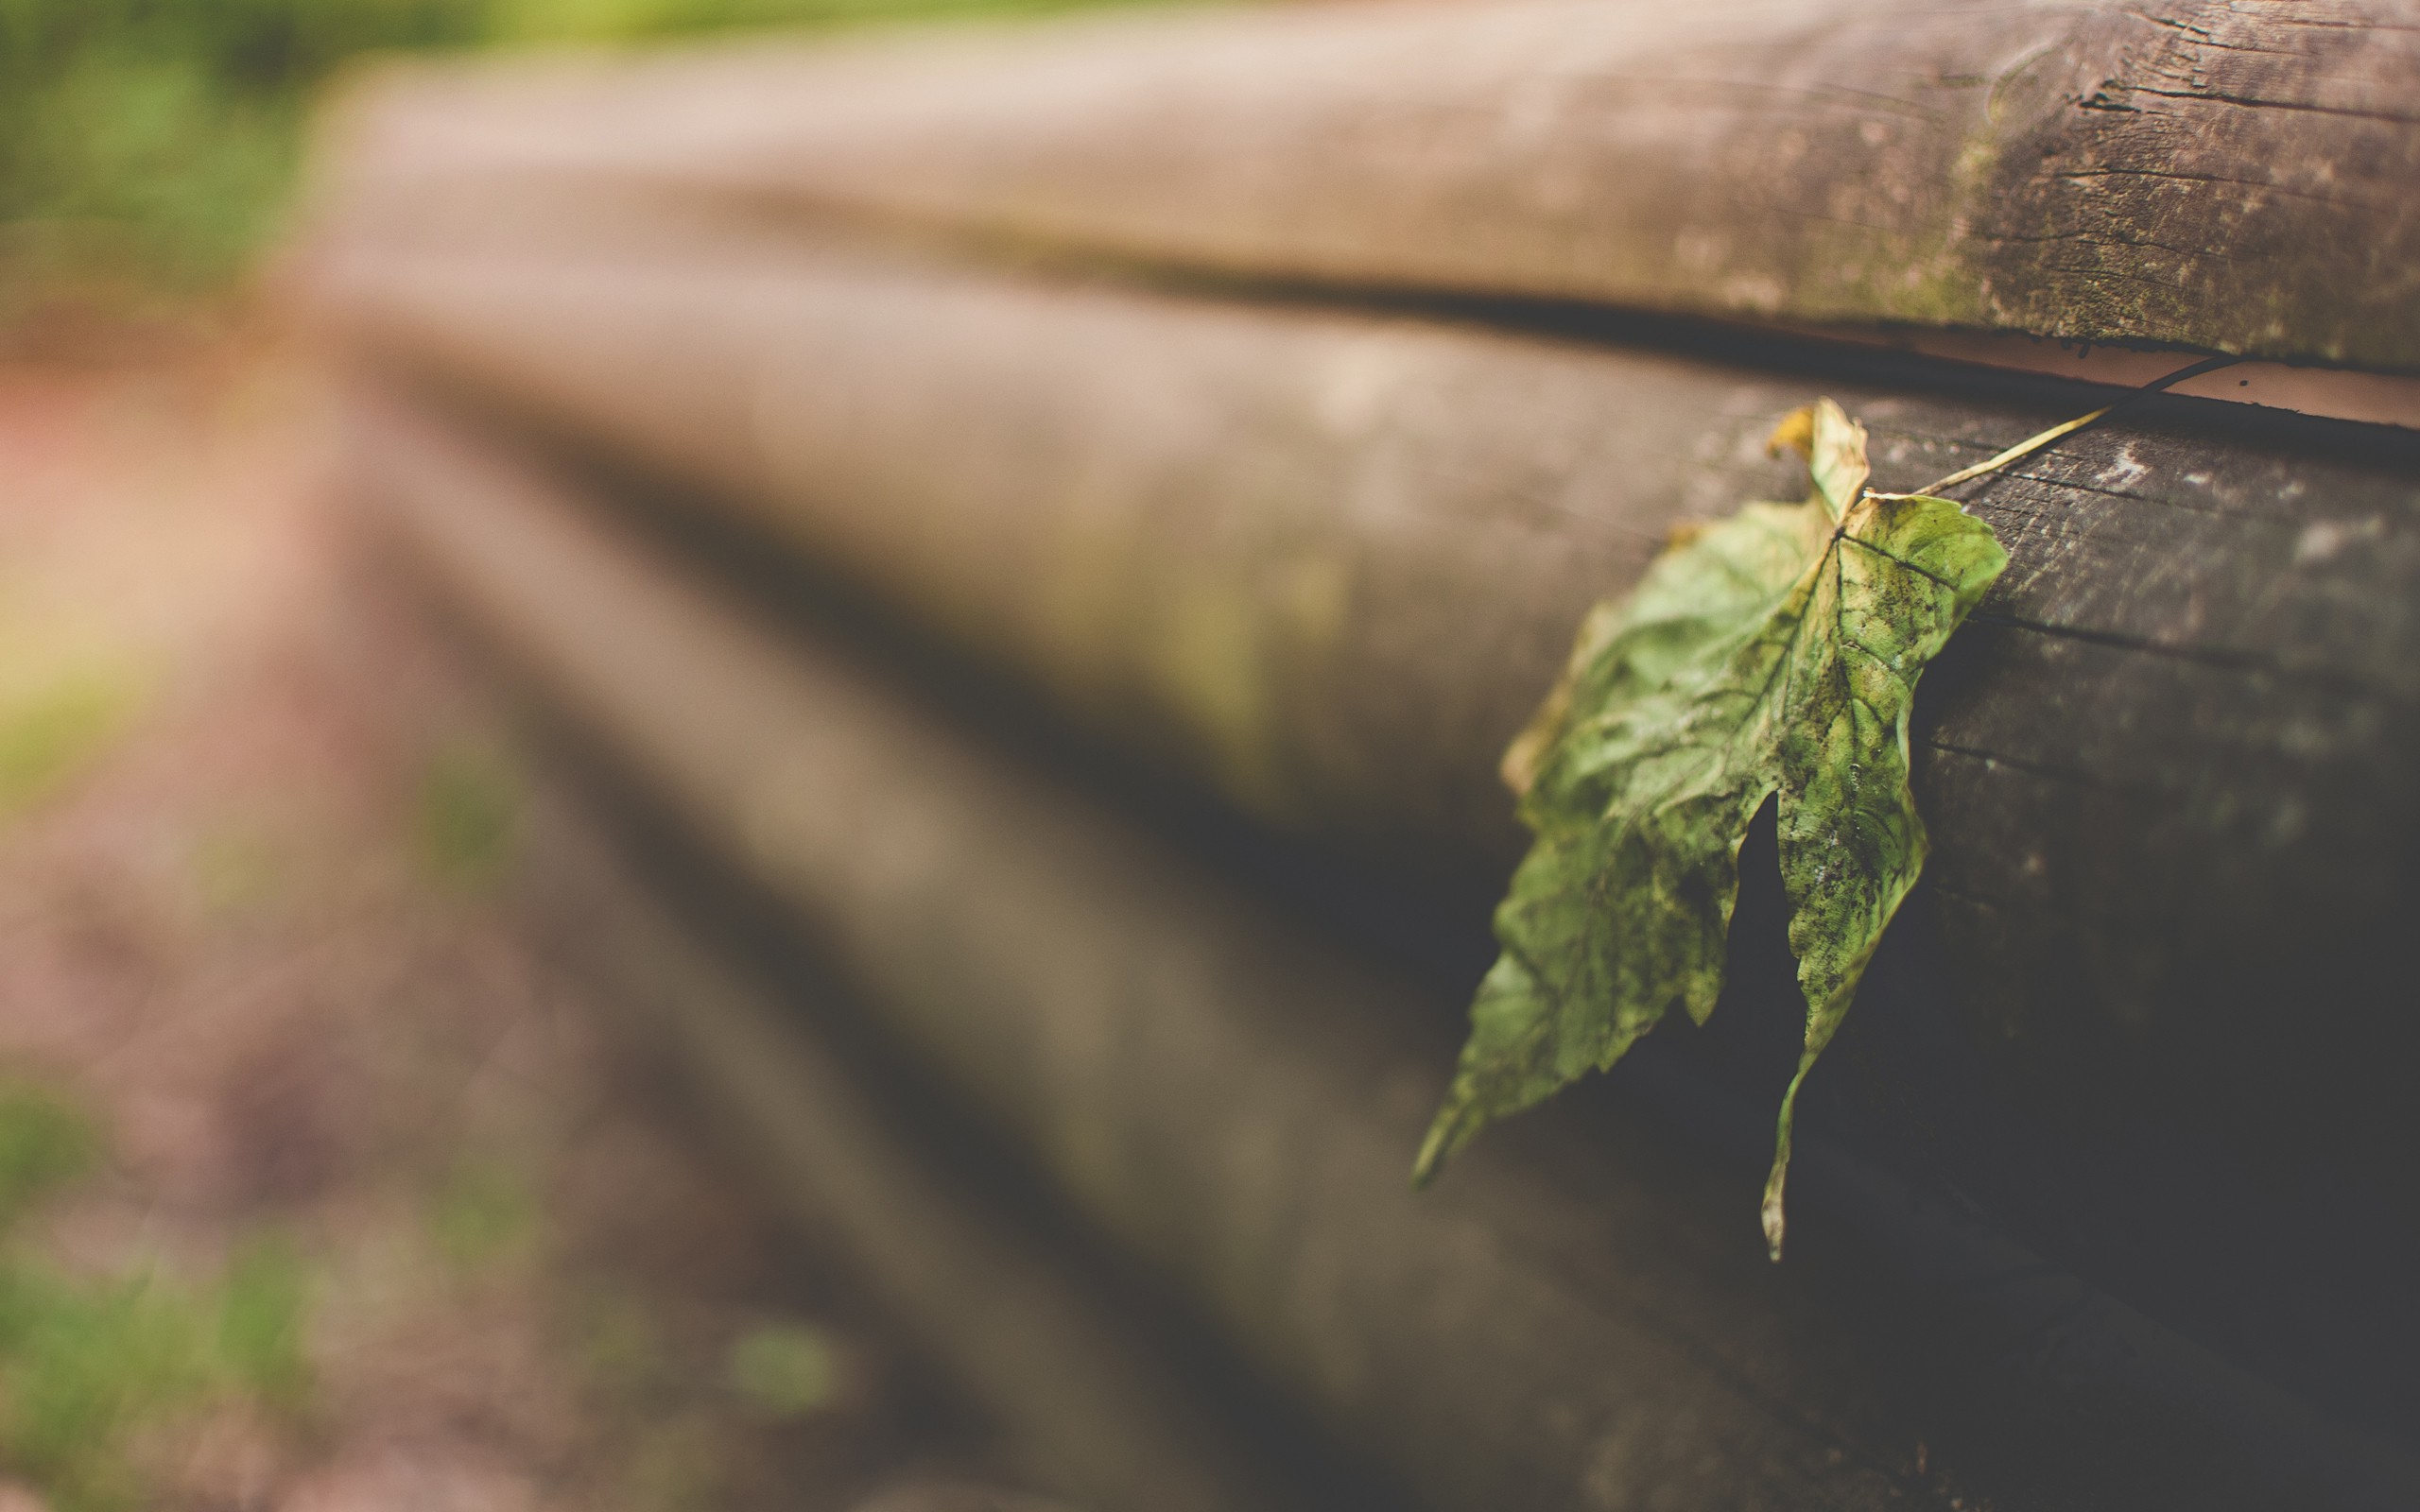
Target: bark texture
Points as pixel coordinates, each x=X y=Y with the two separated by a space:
x=1233 y=1102
x=2237 y=175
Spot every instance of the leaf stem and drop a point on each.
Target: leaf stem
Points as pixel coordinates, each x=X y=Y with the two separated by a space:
x=2034 y=443
x=2024 y=448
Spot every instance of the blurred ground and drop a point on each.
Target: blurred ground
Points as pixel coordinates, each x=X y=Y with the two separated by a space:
x=332 y=1195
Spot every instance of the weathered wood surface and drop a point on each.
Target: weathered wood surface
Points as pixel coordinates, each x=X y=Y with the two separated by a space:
x=2238 y=175
x=1573 y=1325
x=1251 y=1156
x=1007 y=1307
x=1331 y=561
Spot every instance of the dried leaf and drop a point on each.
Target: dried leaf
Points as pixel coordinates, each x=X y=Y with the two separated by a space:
x=1772 y=655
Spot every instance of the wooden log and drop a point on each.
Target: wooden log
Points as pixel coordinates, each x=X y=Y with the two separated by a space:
x=1330 y=561
x=1562 y=1323
x=2233 y=177
x=1206 y=1143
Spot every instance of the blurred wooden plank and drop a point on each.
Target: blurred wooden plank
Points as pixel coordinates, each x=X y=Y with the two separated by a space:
x=1083 y=993
x=1005 y=1305
x=2234 y=177
x=1233 y=1102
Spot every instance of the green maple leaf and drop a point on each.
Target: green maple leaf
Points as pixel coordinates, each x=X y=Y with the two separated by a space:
x=1772 y=655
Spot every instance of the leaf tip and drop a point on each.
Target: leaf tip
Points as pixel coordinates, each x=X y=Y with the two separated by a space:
x=1455 y=1123
x=1774 y=1219
x=1779 y=1176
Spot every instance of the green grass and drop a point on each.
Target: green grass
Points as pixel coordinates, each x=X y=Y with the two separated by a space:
x=483 y=1214
x=45 y=1142
x=151 y=144
x=467 y=812
x=89 y=1366
x=154 y=139
x=52 y=732
x=783 y=1371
